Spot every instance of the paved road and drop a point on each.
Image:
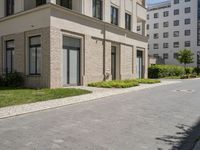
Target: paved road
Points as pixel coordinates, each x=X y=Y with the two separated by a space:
x=160 y=118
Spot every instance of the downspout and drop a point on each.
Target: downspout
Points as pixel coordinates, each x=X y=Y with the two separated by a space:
x=104 y=51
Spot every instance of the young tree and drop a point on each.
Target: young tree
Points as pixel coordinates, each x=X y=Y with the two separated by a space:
x=185 y=57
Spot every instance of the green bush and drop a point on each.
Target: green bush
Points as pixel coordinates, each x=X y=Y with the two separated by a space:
x=2 y=81
x=115 y=84
x=162 y=71
x=147 y=81
x=123 y=83
x=12 y=80
x=189 y=70
x=196 y=70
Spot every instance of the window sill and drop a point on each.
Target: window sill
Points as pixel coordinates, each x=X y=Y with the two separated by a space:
x=32 y=75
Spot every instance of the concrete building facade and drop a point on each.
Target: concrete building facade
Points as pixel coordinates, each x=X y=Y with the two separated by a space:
x=172 y=26
x=57 y=43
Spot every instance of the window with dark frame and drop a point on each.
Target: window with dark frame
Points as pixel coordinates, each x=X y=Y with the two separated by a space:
x=187 y=21
x=35 y=55
x=156 y=15
x=176 y=1
x=114 y=15
x=156 y=36
x=165 y=24
x=165 y=13
x=127 y=21
x=138 y=28
x=40 y=2
x=187 y=32
x=65 y=3
x=147 y=26
x=176 y=55
x=155 y=46
x=176 y=22
x=176 y=33
x=165 y=35
x=176 y=44
x=187 y=10
x=165 y=56
x=98 y=9
x=9 y=7
x=187 y=43
x=9 y=56
x=165 y=45
x=176 y=12
x=156 y=25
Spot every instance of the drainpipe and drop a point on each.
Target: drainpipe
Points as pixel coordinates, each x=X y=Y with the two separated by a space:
x=104 y=52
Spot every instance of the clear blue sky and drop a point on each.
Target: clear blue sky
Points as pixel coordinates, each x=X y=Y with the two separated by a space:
x=154 y=1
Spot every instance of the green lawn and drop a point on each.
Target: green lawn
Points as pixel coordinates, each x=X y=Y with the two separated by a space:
x=17 y=96
x=123 y=83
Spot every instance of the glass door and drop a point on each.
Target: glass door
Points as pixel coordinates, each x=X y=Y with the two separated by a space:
x=113 y=62
x=71 y=61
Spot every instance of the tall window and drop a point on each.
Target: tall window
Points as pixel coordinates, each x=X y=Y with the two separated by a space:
x=176 y=23
x=98 y=9
x=165 y=35
x=176 y=1
x=35 y=55
x=165 y=13
x=187 y=10
x=166 y=24
x=156 y=25
x=65 y=3
x=187 y=32
x=40 y=2
x=165 y=56
x=127 y=21
x=114 y=15
x=176 y=33
x=9 y=7
x=187 y=21
x=9 y=56
x=156 y=15
x=176 y=12
x=176 y=44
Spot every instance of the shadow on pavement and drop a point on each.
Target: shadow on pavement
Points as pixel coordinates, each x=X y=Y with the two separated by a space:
x=185 y=139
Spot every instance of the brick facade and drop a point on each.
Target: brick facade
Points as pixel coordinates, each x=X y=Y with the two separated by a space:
x=95 y=58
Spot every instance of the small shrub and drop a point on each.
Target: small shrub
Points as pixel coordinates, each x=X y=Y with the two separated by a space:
x=196 y=71
x=189 y=70
x=162 y=71
x=13 y=80
x=2 y=81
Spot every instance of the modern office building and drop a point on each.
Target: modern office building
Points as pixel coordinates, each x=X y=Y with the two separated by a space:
x=57 y=43
x=171 y=26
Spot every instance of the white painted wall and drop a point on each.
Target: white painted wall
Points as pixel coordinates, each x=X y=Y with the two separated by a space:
x=2 y=10
x=19 y=6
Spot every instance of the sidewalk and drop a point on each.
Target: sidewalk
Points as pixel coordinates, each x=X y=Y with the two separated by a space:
x=97 y=94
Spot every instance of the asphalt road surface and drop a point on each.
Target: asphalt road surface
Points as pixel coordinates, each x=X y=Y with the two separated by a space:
x=161 y=118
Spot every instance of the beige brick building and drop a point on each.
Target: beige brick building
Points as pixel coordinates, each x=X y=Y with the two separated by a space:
x=57 y=43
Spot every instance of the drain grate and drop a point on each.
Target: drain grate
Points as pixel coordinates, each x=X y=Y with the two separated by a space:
x=184 y=91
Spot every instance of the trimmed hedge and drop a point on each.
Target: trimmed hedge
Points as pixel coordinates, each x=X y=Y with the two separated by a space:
x=162 y=71
x=115 y=84
x=123 y=83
